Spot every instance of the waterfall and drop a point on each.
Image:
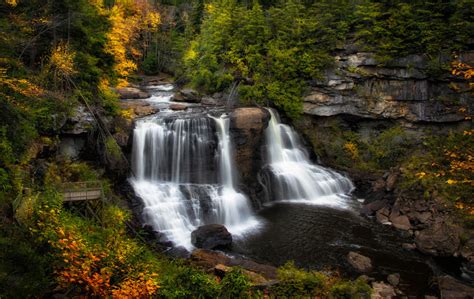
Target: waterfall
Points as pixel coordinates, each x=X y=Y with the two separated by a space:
x=290 y=175
x=234 y=207
x=181 y=182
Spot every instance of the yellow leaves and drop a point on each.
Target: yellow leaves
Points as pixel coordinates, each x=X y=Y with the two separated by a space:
x=451 y=182
x=420 y=175
x=210 y=8
x=153 y=19
x=12 y=3
x=129 y=20
x=352 y=149
x=62 y=60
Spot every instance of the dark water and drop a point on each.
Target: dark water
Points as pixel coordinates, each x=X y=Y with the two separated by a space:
x=316 y=237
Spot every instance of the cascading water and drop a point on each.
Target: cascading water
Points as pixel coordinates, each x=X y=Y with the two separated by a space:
x=175 y=175
x=290 y=175
x=235 y=209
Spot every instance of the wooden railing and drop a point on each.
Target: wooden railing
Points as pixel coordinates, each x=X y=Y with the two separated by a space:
x=80 y=191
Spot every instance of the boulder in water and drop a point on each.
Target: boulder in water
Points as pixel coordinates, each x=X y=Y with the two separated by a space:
x=359 y=262
x=211 y=236
x=187 y=95
x=132 y=93
x=178 y=107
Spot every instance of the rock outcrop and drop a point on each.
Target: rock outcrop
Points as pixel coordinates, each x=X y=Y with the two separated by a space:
x=187 y=95
x=402 y=89
x=208 y=260
x=359 y=262
x=247 y=130
x=211 y=236
x=132 y=93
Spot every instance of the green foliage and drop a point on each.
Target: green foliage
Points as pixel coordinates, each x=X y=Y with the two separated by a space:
x=351 y=289
x=268 y=52
x=24 y=269
x=351 y=149
x=186 y=282
x=443 y=167
x=299 y=283
x=235 y=285
x=397 y=28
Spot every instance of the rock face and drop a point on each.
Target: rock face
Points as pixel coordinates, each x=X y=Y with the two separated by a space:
x=132 y=93
x=209 y=260
x=211 y=236
x=451 y=288
x=247 y=130
x=402 y=89
x=187 y=95
x=359 y=262
x=138 y=108
x=382 y=290
x=81 y=122
x=440 y=239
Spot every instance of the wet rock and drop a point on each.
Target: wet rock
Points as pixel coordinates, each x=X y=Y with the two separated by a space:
x=132 y=93
x=371 y=208
x=440 y=239
x=221 y=270
x=179 y=252
x=211 y=236
x=178 y=107
x=247 y=127
x=422 y=217
x=71 y=146
x=467 y=251
x=138 y=108
x=382 y=216
x=208 y=260
x=359 y=262
x=81 y=122
x=391 y=181
x=382 y=290
x=401 y=222
x=378 y=185
x=409 y=246
x=394 y=279
x=452 y=288
x=187 y=95
x=212 y=101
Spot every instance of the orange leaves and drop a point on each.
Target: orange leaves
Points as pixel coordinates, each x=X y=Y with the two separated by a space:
x=142 y=286
x=462 y=69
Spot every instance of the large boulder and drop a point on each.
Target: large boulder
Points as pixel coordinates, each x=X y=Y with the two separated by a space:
x=451 y=288
x=132 y=93
x=359 y=262
x=382 y=290
x=440 y=239
x=138 y=109
x=211 y=236
x=187 y=95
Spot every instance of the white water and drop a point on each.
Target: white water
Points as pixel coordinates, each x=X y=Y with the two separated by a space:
x=175 y=175
x=236 y=212
x=293 y=177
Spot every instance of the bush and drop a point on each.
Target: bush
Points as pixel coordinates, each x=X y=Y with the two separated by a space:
x=185 y=282
x=299 y=283
x=235 y=285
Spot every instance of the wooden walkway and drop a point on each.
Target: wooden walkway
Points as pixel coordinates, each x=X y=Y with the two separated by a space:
x=83 y=191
